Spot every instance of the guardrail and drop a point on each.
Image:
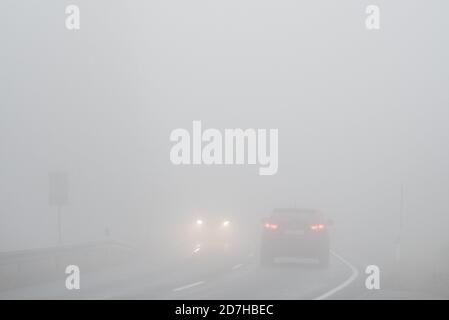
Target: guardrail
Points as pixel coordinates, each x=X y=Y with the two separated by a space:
x=21 y=257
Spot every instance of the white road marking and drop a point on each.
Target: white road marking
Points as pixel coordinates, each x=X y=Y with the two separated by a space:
x=189 y=286
x=237 y=266
x=354 y=275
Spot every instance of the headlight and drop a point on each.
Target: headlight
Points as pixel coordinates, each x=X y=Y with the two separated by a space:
x=225 y=223
x=199 y=222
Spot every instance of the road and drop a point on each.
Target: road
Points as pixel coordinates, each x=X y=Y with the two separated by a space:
x=235 y=275
x=289 y=279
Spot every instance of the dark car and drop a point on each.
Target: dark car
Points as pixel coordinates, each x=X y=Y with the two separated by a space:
x=300 y=233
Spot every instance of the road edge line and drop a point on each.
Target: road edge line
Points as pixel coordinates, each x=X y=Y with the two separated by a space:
x=188 y=286
x=354 y=275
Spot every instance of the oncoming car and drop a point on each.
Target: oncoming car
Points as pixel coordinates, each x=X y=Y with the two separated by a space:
x=298 y=233
x=211 y=234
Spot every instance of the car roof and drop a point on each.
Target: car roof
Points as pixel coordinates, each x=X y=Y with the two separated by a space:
x=295 y=213
x=294 y=210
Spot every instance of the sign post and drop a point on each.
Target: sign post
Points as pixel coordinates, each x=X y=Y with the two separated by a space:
x=58 y=191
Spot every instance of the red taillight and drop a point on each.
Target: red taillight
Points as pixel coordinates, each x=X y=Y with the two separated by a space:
x=317 y=227
x=271 y=226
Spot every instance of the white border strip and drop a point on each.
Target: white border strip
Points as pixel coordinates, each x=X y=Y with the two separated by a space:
x=354 y=275
x=189 y=286
x=237 y=266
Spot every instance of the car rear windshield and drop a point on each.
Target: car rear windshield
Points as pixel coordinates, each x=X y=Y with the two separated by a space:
x=292 y=214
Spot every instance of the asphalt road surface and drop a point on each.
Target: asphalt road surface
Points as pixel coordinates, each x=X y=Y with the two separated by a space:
x=208 y=276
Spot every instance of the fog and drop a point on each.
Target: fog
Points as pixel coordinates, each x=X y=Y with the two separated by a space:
x=362 y=118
